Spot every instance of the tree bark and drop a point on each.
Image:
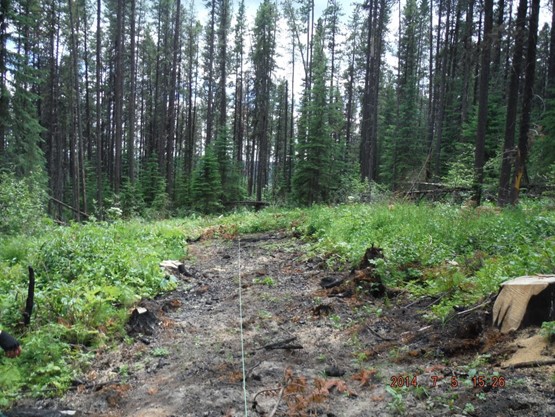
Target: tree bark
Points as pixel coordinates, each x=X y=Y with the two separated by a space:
x=132 y=93
x=479 y=155
x=528 y=95
x=98 y=131
x=118 y=96
x=172 y=111
x=507 y=161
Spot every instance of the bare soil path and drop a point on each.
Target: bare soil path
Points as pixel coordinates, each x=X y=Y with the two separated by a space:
x=354 y=348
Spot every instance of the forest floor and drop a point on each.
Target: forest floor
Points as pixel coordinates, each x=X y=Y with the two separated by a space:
x=340 y=353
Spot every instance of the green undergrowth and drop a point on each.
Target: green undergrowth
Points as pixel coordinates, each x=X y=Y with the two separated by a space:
x=459 y=254
x=89 y=276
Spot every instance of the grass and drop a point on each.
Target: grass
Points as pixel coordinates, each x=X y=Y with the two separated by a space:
x=462 y=254
x=90 y=275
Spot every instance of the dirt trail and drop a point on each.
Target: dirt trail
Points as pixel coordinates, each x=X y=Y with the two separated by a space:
x=353 y=349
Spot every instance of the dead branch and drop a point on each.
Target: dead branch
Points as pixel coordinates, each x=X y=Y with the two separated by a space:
x=252 y=368
x=61 y=203
x=460 y=313
x=531 y=364
x=264 y=391
x=375 y=333
x=424 y=328
x=280 y=396
x=283 y=344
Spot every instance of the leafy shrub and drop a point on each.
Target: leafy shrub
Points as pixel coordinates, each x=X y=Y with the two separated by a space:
x=22 y=204
x=548 y=330
x=87 y=277
x=438 y=249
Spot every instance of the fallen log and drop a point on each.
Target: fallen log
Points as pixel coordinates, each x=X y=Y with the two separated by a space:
x=283 y=344
x=530 y=364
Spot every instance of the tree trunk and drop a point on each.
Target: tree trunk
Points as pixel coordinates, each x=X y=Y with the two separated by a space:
x=210 y=76
x=551 y=67
x=98 y=131
x=528 y=95
x=467 y=64
x=479 y=155
x=172 y=111
x=76 y=130
x=132 y=93
x=4 y=110
x=512 y=105
x=365 y=123
x=441 y=97
x=118 y=96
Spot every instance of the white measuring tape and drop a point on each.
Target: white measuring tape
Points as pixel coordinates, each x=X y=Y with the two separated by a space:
x=242 y=338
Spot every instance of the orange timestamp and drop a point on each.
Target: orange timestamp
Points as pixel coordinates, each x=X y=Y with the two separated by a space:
x=477 y=381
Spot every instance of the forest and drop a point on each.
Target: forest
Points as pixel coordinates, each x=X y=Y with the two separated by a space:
x=175 y=107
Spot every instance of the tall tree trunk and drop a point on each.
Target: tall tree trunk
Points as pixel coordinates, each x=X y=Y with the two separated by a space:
x=467 y=63
x=172 y=111
x=378 y=43
x=512 y=105
x=496 y=64
x=433 y=92
x=4 y=110
x=210 y=76
x=132 y=94
x=118 y=96
x=88 y=121
x=365 y=124
x=479 y=155
x=98 y=131
x=551 y=67
x=528 y=95
x=192 y=58
x=222 y=57
x=441 y=98
x=76 y=135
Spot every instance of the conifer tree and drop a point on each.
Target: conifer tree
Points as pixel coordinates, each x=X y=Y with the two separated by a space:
x=409 y=147
x=312 y=180
x=22 y=132
x=228 y=167
x=263 y=62
x=206 y=186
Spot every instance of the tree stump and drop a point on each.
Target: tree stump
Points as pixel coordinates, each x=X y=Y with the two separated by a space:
x=525 y=301
x=142 y=321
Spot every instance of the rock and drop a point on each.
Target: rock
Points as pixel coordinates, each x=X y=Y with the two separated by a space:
x=334 y=371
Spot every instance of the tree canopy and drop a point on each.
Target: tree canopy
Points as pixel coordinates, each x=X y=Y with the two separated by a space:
x=109 y=103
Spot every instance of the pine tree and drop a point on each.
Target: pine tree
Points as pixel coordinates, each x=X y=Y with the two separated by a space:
x=312 y=181
x=206 y=186
x=512 y=104
x=263 y=62
x=409 y=146
x=239 y=100
x=485 y=55
x=228 y=167
x=378 y=16
x=22 y=132
x=527 y=97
